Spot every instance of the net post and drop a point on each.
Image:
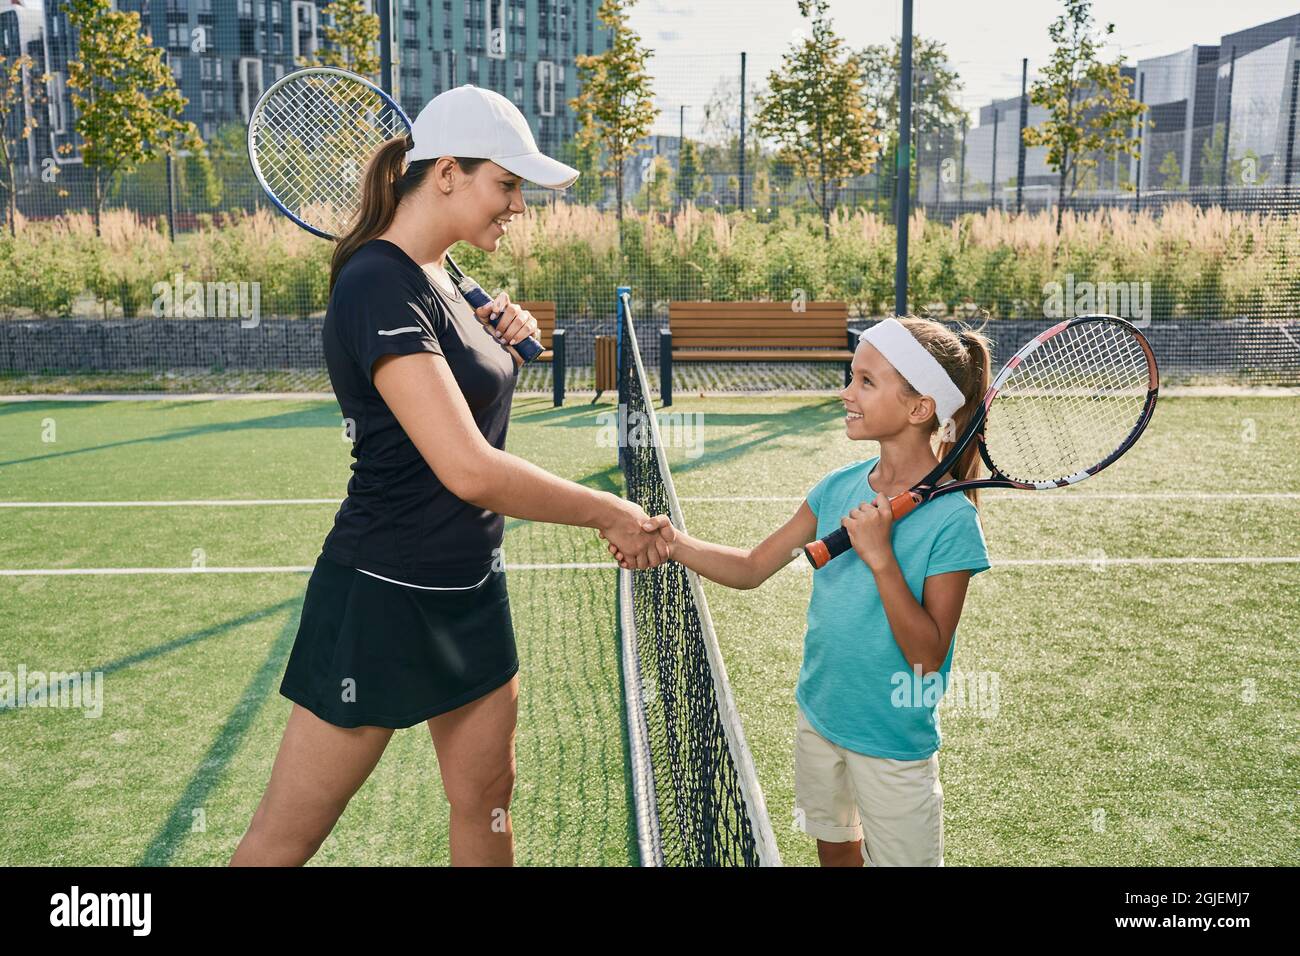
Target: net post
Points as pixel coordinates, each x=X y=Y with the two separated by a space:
x=620 y=318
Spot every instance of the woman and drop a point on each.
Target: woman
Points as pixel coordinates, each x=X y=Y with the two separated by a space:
x=406 y=617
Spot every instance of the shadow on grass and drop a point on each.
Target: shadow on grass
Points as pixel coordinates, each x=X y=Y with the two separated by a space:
x=326 y=416
x=171 y=835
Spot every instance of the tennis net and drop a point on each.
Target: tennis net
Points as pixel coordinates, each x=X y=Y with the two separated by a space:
x=696 y=794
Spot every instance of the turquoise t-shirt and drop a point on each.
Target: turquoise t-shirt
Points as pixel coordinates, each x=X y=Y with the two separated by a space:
x=855 y=686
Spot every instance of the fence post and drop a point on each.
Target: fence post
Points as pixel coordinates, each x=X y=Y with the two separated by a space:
x=904 y=164
x=1227 y=131
x=1024 y=121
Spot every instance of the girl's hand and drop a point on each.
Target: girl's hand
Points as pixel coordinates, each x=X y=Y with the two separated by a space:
x=869 y=526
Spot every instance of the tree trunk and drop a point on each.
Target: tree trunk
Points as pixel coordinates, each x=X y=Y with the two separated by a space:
x=1060 y=193
x=99 y=201
x=618 y=192
x=821 y=174
x=11 y=202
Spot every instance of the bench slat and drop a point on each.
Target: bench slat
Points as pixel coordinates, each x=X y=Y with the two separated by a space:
x=774 y=355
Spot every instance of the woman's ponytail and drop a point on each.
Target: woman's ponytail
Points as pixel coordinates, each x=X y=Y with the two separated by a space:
x=386 y=182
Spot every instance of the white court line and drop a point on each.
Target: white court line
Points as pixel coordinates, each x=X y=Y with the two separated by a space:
x=170 y=397
x=1066 y=562
x=286 y=569
x=1069 y=496
x=606 y=566
x=718 y=499
x=211 y=502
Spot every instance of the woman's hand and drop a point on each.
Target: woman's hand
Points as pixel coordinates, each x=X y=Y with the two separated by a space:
x=869 y=526
x=514 y=326
x=635 y=539
x=659 y=524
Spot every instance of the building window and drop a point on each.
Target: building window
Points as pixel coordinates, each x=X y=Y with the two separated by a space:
x=245 y=8
x=250 y=84
x=496 y=29
x=57 y=87
x=275 y=11
x=304 y=26
x=545 y=88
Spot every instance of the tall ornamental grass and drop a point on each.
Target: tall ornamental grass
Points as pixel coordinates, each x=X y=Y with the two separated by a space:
x=1197 y=263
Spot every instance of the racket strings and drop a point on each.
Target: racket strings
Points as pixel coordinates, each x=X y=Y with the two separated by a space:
x=308 y=139
x=1070 y=404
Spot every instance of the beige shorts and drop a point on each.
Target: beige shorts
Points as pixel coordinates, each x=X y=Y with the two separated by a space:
x=894 y=806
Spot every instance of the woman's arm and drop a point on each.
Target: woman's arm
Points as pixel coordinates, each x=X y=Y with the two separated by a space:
x=423 y=396
x=739 y=567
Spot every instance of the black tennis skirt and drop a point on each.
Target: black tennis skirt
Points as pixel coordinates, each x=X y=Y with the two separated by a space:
x=371 y=652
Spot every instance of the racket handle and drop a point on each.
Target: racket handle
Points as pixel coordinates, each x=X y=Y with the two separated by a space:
x=819 y=553
x=528 y=349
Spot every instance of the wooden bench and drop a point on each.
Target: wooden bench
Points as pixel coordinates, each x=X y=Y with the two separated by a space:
x=753 y=332
x=553 y=341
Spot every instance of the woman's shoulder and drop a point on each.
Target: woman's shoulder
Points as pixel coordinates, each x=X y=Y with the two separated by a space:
x=374 y=260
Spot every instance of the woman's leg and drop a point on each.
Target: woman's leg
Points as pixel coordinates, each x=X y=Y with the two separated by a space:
x=318 y=769
x=476 y=755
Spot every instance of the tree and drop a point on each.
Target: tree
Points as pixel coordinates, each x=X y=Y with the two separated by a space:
x=586 y=160
x=657 y=192
x=688 y=172
x=128 y=107
x=351 y=41
x=1090 y=112
x=1171 y=172
x=935 y=89
x=816 y=111
x=21 y=94
x=615 y=103
x=1242 y=170
x=721 y=124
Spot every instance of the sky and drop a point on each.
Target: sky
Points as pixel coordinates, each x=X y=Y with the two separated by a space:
x=698 y=41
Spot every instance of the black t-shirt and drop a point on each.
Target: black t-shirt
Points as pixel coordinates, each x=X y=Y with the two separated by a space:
x=399 y=520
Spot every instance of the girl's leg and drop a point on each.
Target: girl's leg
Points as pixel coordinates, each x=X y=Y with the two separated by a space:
x=825 y=807
x=318 y=769
x=476 y=755
x=901 y=805
x=839 y=854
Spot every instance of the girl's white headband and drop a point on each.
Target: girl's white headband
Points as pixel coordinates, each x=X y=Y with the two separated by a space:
x=922 y=371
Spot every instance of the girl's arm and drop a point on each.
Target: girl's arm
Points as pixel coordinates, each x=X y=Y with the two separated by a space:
x=739 y=567
x=923 y=630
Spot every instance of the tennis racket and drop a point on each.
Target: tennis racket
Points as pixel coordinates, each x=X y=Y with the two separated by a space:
x=309 y=139
x=1069 y=403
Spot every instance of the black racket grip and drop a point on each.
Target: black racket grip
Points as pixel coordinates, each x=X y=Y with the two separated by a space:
x=831 y=546
x=528 y=349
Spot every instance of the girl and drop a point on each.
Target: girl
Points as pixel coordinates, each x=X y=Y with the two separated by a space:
x=882 y=619
x=406 y=617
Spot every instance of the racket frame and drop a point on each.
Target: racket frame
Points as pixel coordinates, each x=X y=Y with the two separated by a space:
x=837 y=542
x=528 y=348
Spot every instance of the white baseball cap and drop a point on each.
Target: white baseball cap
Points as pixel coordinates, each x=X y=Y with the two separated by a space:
x=482 y=124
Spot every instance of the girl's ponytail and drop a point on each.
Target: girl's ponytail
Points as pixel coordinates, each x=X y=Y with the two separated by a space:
x=966 y=357
x=977 y=371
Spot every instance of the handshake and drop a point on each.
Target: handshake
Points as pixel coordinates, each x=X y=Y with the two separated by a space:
x=637 y=540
